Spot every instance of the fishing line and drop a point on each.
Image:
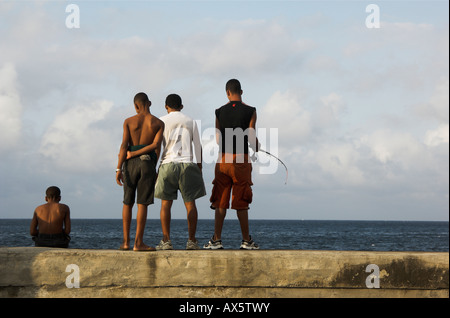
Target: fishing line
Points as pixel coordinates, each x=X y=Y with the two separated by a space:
x=268 y=153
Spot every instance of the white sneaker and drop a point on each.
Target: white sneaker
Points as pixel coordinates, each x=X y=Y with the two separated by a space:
x=164 y=245
x=192 y=245
x=213 y=245
x=249 y=245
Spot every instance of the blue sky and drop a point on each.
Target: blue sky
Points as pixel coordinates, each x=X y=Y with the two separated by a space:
x=361 y=113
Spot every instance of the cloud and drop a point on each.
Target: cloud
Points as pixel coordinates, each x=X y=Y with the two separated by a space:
x=328 y=89
x=340 y=161
x=329 y=112
x=10 y=107
x=399 y=162
x=387 y=59
x=76 y=57
x=402 y=35
x=323 y=153
x=73 y=141
x=438 y=136
x=437 y=108
x=302 y=119
x=285 y=111
x=391 y=147
x=245 y=46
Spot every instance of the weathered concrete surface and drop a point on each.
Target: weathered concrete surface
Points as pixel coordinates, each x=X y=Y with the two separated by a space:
x=41 y=272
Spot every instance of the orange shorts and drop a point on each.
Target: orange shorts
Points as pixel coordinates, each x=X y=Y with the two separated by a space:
x=232 y=178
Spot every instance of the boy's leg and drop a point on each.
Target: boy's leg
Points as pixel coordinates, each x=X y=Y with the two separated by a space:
x=218 y=223
x=192 y=217
x=126 y=221
x=141 y=219
x=243 y=220
x=220 y=196
x=165 y=216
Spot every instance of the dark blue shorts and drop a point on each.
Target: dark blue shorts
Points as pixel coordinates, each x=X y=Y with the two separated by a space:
x=139 y=175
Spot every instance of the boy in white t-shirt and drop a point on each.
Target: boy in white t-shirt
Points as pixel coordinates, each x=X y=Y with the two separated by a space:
x=178 y=171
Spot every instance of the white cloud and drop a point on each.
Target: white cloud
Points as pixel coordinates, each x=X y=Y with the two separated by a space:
x=246 y=46
x=10 y=107
x=401 y=35
x=388 y=59
x=438 y=136
x=73 y=142
x=389 y=146
x=329 y=112
x=437 y=107
x=299 y=120
x=327 y=88
x=322 y=63
x=341 y=162
x=286 y=112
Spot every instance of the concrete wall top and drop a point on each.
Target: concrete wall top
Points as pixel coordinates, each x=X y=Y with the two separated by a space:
x=32 y=266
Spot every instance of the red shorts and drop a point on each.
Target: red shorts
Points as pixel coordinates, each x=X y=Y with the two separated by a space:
x=232 y=178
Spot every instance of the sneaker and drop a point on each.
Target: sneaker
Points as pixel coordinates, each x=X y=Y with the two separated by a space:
x=164 y=245
x=192 y=245
x=249 y=245
x=213 y=245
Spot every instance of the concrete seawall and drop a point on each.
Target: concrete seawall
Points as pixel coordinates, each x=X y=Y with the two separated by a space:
x=47 y=272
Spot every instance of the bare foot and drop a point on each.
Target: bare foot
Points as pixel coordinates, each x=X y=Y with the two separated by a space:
x=124 y=247
x=143 y=248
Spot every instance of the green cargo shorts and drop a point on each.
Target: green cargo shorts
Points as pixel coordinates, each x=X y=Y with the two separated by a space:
x=174 y=176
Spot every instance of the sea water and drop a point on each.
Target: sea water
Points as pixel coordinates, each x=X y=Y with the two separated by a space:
x=268 y=234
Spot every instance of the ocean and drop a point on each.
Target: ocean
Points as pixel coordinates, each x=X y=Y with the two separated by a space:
x=269 y=234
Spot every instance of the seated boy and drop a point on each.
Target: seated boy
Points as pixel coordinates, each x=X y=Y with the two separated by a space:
x=178 y=171
x=50 y=226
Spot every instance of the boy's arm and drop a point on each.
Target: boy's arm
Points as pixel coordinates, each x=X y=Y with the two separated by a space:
x=252 y=139
x=158 y=153
x=34 y=225
x=155 y=145
x=122 y=152
x=197 y=145
x=218 y=133
x=67 y=224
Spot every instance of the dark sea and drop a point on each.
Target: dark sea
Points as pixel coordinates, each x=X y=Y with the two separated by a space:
x=269 y=234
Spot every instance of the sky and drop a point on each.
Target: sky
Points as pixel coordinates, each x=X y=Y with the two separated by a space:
x=354 y=102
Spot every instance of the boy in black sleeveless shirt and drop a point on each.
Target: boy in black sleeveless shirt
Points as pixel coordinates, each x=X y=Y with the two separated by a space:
x=235 y=130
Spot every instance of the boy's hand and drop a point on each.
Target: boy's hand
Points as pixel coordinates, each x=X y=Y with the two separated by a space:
x=128 y=155
x=119 y=177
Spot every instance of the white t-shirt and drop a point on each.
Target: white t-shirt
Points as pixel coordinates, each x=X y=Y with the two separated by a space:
x=180 y=133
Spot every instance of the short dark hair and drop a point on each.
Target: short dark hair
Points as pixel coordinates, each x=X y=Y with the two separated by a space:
x=142 y=98
x=234 y=86
x=174 y=101
x=53 y=192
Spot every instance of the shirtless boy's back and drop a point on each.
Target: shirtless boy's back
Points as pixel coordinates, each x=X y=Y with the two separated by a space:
x=143 y=128
x=142 y=131
x=50 y=225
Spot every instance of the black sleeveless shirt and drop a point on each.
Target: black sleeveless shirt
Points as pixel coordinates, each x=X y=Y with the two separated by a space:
x=234 y=120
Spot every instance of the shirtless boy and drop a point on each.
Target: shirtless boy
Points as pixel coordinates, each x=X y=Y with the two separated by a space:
x=178 y=171
x=50 y=226
x=142 y=131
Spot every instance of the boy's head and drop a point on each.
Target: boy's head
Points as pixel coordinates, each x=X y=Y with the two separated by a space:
x=53 y=193
x=174 y=102
x=141 y=101
x=233 y=87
